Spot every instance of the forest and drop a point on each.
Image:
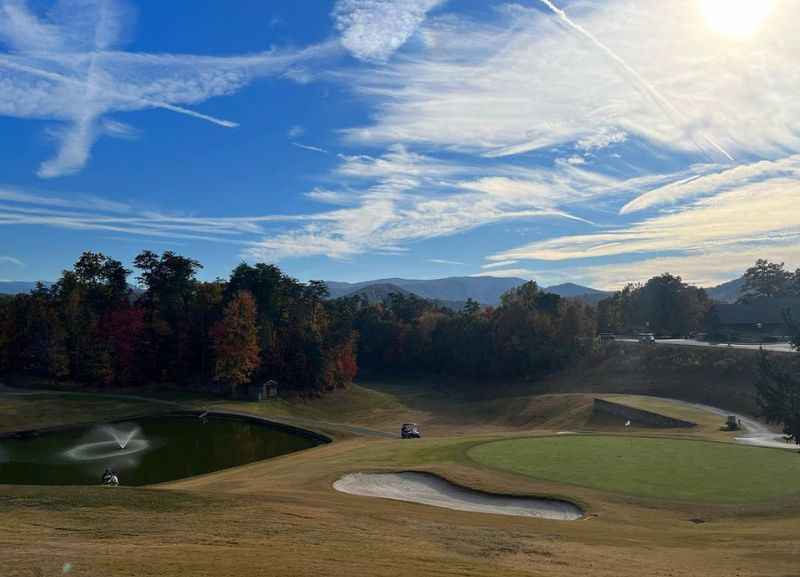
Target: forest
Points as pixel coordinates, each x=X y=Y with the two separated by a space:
x=93 y=328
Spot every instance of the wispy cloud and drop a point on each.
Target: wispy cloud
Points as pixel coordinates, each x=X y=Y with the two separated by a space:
x=375 y=29
x=708 y=240
x=63 y=66
x=755 y=212
x=508 y=273
x=86 y=213
x=11 y=260
x=710 y=180
x=402 y=196
x=499 y=264
x=116 y=129
x=445 y=261
x=707 y=267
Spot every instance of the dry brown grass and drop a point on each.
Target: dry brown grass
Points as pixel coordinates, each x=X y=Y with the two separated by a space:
x=281 y=517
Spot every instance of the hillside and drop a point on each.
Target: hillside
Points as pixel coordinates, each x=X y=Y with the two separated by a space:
x=381 y=292
x=726 y=292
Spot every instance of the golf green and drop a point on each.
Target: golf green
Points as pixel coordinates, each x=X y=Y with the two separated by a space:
x=671 y=469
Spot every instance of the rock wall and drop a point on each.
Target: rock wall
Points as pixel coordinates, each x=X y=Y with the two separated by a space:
x=638 y=416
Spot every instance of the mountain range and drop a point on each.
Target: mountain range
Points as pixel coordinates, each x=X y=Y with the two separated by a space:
x=485 y=290
x=454 y=291
x=451 y=292
x=12 y=287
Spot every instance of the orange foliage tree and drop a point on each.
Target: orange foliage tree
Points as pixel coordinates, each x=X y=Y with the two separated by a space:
x=235 y=340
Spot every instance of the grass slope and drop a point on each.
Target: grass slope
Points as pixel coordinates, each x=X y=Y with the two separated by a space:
x=654 y=468
x=21 y=412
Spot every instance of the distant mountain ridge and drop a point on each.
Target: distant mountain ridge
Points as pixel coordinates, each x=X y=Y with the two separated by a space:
x=13 y=287
x=454 y=291
x=727 y=292
x=382 y=292
x=485 y=290
x=586 y=294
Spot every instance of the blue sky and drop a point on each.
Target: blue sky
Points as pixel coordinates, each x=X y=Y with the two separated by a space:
x=600 y=142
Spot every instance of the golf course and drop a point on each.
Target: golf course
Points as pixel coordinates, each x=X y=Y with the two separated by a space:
x=648 y=501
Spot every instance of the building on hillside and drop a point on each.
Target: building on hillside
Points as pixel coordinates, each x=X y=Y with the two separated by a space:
x=261 y=391
x=760 y=319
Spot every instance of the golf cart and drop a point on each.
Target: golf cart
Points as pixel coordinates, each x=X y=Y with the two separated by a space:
x=410 y=431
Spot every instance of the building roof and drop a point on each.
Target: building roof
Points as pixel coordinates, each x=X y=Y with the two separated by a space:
x=764 y=311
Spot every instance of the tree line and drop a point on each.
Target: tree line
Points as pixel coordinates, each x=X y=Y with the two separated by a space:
x=530 y=333
x=91 y=327
x=666 y=305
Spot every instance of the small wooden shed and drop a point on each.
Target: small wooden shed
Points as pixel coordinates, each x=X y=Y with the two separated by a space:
x=262 y=391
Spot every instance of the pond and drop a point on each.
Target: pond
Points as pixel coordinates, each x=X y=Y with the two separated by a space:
x=146 y=450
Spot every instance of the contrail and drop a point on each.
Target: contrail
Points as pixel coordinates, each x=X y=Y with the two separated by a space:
x=57 y=77
x=642 y=85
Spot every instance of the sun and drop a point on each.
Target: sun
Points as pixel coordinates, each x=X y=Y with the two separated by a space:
x=736 y=18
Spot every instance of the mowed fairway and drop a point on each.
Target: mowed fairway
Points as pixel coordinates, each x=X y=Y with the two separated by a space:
x=659 y=468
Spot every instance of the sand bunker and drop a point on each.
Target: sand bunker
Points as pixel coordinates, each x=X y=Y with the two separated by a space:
x=432 y=490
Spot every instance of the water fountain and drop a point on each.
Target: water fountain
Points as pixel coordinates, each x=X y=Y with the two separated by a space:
x=118 y=442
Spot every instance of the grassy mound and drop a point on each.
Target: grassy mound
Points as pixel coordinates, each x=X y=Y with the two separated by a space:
x=658 y=468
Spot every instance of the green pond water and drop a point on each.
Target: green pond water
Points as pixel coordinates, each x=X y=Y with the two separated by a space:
x=145 y=451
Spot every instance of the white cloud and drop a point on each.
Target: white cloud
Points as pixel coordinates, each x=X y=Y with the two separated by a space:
x=445 y=261
x=753 y=213
x=16 y=196
x=11 y=260
x=396 y=161
x=499 y=264
x=601 y=139
x=748 y=213
x=375 y=29
x=87 y=213
x=331 y=196
x=711 y=180
x=702 y=268
x=508 y=273
x=62 y=67
x=296 y=131
x=403 y=196
x=121 y=130
x=526 y=82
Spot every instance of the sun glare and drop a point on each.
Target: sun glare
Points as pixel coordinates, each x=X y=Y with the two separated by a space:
x=736 y=18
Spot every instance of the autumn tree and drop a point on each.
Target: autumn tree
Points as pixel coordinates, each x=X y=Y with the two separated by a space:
x=236 y=341
x=768 y=280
